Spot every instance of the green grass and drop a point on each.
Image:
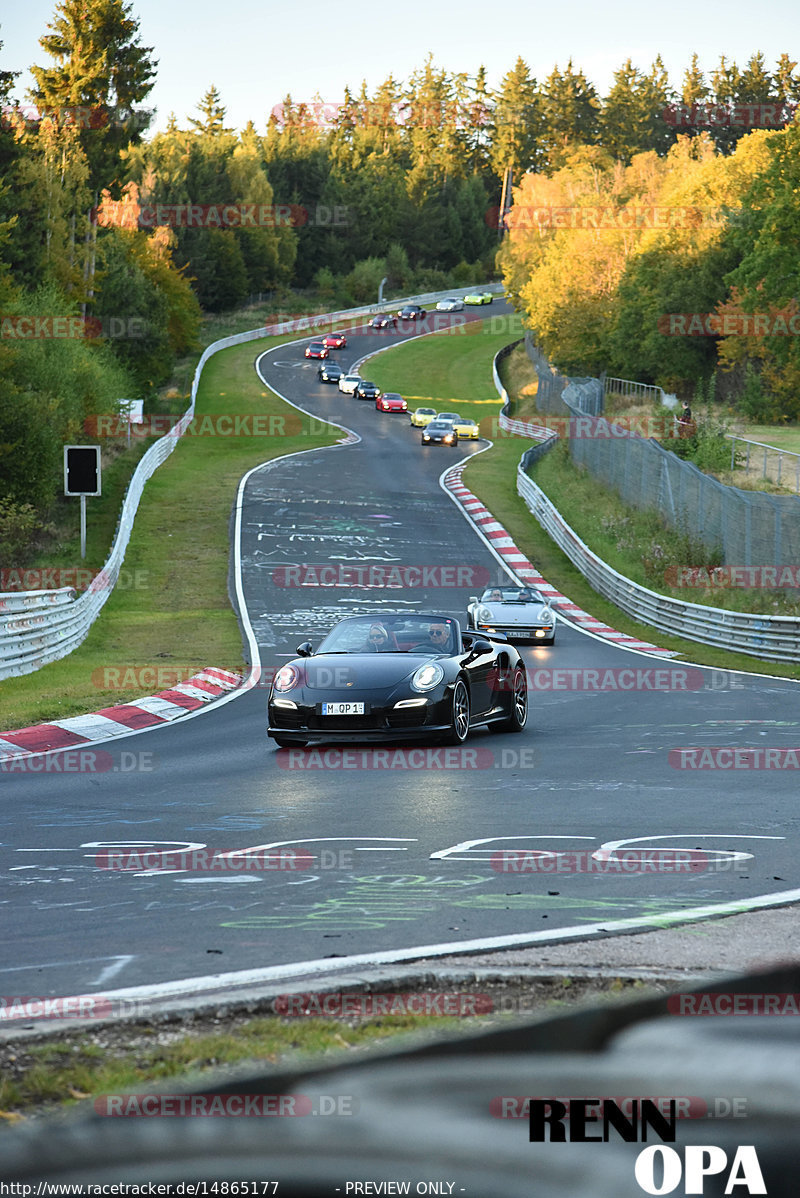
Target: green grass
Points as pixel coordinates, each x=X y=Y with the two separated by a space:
x=71 y=1070
x=73 y=1067
x=638 y=544
x=450 y=370
x=782 y=436
x=180 y=615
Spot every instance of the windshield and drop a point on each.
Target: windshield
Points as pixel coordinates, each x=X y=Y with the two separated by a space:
x=393 y=634
x=511 y=595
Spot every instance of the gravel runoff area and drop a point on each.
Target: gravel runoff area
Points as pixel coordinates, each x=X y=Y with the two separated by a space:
x=709 y=949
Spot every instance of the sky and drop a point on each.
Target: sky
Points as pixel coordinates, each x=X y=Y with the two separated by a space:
x=256 y=53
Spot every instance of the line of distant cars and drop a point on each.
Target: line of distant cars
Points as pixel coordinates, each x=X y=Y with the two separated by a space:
x=438 y=428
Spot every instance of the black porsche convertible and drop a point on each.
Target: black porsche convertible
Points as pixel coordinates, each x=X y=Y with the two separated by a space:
x=398 y=676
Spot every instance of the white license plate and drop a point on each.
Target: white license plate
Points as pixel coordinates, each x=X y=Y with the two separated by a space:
x=342 y=708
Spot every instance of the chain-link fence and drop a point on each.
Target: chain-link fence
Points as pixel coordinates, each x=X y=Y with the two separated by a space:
x=748 y=528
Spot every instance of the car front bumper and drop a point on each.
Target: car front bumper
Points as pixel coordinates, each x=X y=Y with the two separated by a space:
x=381 y=722
x=520 y=632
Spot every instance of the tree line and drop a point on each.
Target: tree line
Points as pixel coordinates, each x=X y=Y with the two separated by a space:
x=679 y=270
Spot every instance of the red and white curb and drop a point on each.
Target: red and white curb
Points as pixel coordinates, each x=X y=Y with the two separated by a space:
x=121 y=720
x=515 y=559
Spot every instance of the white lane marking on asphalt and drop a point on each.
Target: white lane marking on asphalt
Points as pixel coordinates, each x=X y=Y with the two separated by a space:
x=606 y=850
x=111 y=970
x=61 y=964
x=467 y=845
x=259 y=848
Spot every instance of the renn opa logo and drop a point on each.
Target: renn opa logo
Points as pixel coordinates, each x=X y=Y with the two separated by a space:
x=556 y=1121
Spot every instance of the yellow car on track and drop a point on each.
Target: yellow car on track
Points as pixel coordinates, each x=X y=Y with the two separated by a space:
x=422 y=416
x=467 y=429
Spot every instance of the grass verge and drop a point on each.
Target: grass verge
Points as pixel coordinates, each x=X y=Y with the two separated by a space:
x=176 y=612
x=70 y=1068
x=450 y=370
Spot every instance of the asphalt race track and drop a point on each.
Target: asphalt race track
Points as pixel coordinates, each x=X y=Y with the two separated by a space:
x=403 y=848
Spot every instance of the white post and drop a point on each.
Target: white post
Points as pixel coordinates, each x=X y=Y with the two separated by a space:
x=83 y=526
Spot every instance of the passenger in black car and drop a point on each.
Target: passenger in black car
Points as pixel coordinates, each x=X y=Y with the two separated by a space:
x=378 y=640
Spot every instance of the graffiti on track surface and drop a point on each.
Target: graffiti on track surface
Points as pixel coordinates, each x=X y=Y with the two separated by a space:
x=372 y=902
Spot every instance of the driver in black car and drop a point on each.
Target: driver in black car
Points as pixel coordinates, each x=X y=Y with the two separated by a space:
x=439 y=640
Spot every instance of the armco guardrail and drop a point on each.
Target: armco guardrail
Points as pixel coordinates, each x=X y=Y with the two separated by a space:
x=748 y=528
x=37 y=627
x=771 y=638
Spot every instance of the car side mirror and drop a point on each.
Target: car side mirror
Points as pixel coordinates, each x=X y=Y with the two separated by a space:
x=473 y=598
x=305 y=650
x=477 y=647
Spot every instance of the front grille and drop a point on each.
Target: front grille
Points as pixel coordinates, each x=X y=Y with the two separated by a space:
x=408 y=717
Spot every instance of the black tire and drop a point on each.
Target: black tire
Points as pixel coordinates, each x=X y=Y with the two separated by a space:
x=288 y=742
x=519 y=704
x=459 y=726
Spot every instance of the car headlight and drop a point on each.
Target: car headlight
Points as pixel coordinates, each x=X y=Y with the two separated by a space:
x=449 y=437
x=548 y=616
x=484 y=615
x=287 y=678
x=426 y=437
x=427 y=677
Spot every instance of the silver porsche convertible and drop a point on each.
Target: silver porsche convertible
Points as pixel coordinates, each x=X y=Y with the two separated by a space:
x=522 y=613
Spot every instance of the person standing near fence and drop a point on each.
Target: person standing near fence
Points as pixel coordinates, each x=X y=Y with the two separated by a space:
x=687 y=426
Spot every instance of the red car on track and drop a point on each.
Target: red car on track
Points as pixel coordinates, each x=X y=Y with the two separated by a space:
x=335 y=341
x=391 y=402
x=316 y=350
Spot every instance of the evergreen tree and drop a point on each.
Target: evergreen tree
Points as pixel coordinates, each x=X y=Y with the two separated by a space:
x=724 y=92
x=477 y=119
x=100 y=74
x=570 y=113
x=633 y=114
x=516 y=126
x=212 y=113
